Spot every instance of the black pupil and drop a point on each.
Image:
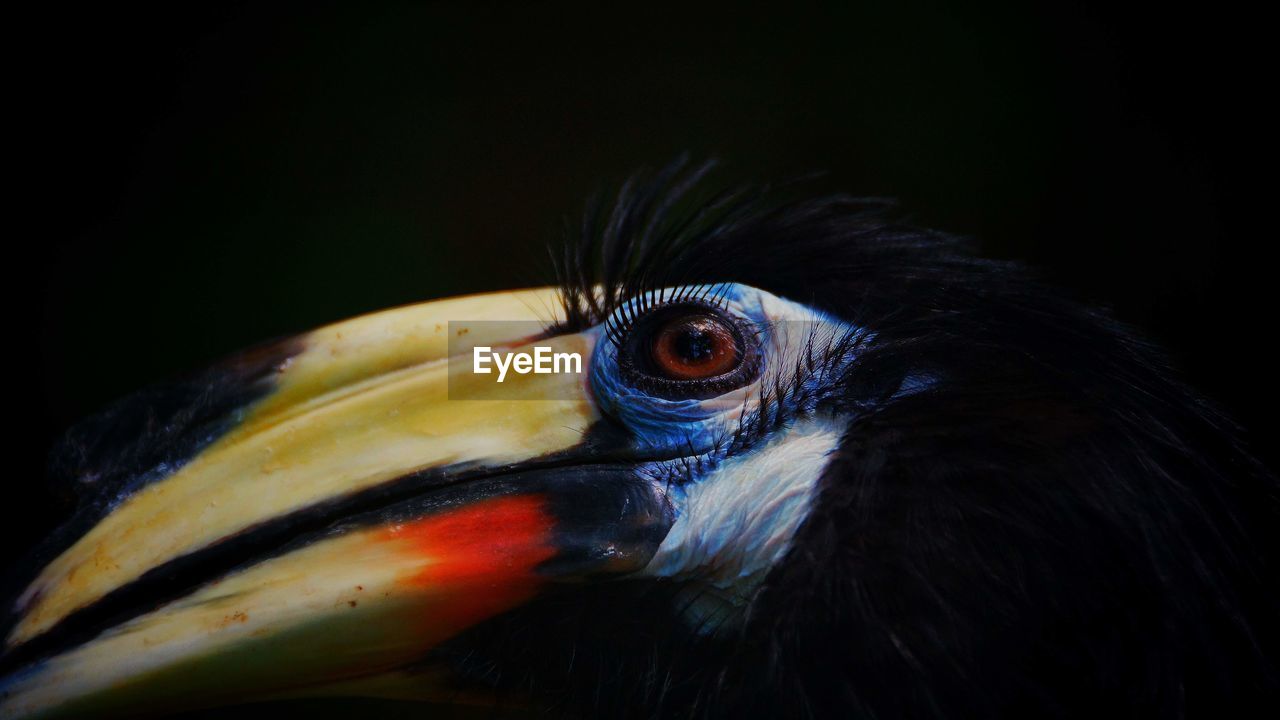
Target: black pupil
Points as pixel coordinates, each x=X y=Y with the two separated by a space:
x=695 y=345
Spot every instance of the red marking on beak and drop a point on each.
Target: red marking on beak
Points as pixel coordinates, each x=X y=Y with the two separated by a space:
x=482 y=560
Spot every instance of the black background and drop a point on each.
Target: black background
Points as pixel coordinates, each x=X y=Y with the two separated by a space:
x=186 y=181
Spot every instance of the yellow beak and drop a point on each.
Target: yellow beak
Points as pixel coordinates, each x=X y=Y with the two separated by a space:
x=348 y=521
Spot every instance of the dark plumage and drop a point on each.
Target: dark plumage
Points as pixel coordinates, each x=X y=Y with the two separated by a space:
x=1056 y=527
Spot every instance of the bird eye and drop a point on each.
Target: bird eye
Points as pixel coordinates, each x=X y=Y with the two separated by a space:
x=695 y=347
x=688 y=351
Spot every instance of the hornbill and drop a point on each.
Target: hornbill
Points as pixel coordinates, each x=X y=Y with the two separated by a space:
x=819 y=462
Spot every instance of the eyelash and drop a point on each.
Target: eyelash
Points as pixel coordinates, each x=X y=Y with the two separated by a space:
x=619 y=324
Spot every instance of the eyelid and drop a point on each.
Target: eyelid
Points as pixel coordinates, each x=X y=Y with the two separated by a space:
x=624 y=318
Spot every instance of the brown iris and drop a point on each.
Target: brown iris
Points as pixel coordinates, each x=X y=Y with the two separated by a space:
x=694 y=347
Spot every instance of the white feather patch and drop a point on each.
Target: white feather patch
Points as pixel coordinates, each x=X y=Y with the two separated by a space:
x=737 y=522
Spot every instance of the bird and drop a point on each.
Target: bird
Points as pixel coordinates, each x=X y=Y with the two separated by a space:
x=813 y=461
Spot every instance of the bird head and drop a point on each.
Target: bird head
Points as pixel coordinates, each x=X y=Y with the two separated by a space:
x=786 y=457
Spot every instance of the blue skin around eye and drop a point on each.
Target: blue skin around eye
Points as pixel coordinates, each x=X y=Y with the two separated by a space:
x=661 y=426
x=657 y=424
x=681 y=428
